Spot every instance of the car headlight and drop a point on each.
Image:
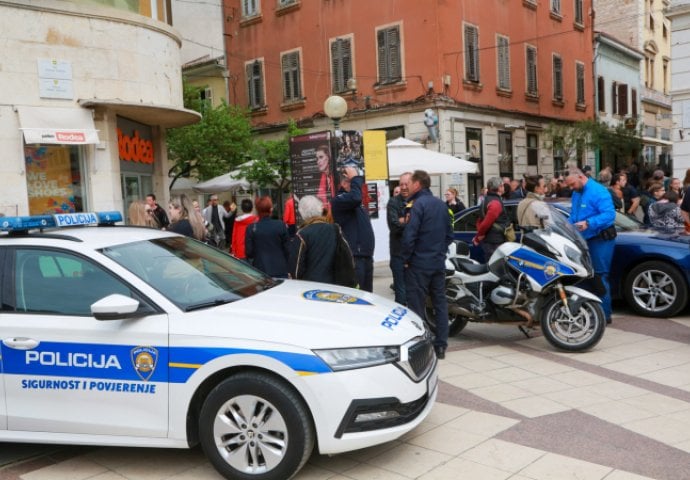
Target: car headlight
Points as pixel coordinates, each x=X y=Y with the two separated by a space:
x=350 y=358
x=573 y=254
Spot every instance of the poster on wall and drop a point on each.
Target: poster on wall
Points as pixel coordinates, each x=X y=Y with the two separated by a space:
x=313 y=167
x=53 y=180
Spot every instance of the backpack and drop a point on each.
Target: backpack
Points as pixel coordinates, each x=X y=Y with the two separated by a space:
x=343 y=262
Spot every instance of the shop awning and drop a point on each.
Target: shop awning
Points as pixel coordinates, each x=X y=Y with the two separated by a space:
x=64 y=126
x=148 y=114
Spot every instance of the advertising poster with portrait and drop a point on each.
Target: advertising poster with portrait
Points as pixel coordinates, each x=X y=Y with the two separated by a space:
x=313 y=166
x=350 y=153
x=53 y=179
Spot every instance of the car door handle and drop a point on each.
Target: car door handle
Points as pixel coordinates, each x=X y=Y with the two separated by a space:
x=21 y=343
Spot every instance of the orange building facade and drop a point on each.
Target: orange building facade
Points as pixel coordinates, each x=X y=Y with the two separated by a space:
x=478 y=79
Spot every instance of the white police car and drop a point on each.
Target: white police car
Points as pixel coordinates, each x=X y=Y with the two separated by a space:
x=127 y=336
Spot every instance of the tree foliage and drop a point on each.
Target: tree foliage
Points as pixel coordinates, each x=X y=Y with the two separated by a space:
x=271 y=160
x=572 y=139
x=215 y=145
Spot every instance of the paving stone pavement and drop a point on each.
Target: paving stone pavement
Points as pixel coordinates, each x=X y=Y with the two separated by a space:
x=509 y=407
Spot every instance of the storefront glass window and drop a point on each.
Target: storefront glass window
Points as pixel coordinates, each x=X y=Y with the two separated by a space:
x=55 y=178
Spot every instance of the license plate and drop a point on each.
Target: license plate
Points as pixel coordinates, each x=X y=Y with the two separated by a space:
x=432 y=381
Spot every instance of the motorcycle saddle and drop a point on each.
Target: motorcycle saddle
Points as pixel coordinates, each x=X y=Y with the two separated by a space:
x=469 y=266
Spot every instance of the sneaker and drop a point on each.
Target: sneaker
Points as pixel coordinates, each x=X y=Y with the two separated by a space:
x=440 y=352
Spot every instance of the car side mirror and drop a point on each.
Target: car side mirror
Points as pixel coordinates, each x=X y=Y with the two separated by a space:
x=115 y=307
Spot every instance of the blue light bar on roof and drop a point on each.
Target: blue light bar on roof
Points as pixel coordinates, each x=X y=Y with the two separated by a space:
x=17 y=224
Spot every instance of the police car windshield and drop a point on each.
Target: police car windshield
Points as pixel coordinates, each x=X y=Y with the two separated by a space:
x=188 y=273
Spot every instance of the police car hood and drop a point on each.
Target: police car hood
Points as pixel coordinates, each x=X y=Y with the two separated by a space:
x=316 y=315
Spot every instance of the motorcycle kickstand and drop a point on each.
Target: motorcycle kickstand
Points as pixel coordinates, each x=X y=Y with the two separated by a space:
x=524 y=331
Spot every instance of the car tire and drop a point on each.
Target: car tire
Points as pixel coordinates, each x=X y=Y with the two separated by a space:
x=254 y=426
x=656 y=289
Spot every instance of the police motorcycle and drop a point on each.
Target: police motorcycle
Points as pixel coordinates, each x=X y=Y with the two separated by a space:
x=527 y=284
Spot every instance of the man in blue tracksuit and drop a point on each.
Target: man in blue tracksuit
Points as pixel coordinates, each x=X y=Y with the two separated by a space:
x=593 y=214
x=424 y=245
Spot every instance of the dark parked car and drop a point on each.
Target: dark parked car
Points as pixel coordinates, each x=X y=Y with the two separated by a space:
x=650 y=268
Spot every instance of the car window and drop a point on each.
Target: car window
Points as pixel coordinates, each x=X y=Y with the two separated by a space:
x=189 y=273
x=466 y=221
x=59 y=282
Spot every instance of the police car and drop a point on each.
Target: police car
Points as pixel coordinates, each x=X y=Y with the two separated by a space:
x=127 y=336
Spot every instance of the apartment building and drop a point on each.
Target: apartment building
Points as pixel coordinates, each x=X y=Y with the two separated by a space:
x=644 y=26
x=493 y=74
x=87 y=90
x=679 y=14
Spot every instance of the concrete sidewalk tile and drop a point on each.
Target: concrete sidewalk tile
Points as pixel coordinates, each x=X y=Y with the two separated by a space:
x=577 y=397
x=448 y=369
x=502 y=455
x=519 y=359
x=545 y=367
x=407 y=460
x=372 y=472
x=542 y=385
x=481 y=423
x=559 y=467
x=685 y=446
x=334 y=463
x=657 y=403
x=365 y=454
x=618 y=390
x=615 y=337
x=600 y=357
x=484 y=364
x=579 y=378
x=511 y=374
x=501 y=393
x=494 y=351
x=308 y=472
x=533 y=407
x=459 y=468
x=623 y=475
x=471 y=380
x=662 y=344
x=677 y=376
x=616 y=412
x=663 y=429
x=447 y=440
x=442 y=413
x=420 y=429
x=461 y=357
x=73 y=469
x=115 y=476
x=207 y=472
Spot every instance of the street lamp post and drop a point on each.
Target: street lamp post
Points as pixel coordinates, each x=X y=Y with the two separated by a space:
x=335 y=108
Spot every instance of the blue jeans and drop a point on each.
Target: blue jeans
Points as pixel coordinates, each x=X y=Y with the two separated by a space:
x=422 y=283
x=601 y=252
x=397 y=265
x=364 y=271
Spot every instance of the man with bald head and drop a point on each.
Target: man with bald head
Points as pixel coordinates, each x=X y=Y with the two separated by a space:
x=593 y=214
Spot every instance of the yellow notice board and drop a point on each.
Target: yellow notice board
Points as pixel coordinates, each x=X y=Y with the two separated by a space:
x=375 y=155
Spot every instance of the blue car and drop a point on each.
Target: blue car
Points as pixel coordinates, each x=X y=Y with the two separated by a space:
x=650 y=268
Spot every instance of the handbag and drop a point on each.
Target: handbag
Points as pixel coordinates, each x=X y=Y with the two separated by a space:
x=509 y=233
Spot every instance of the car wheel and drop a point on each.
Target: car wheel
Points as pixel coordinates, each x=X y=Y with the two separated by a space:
x=253 y=426
x=656 y=289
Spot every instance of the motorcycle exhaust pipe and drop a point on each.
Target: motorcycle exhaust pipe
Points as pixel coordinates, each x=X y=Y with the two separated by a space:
x=458 y=310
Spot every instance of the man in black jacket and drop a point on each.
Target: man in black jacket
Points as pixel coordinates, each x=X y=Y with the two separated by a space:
x=395 y=216
x=425 y=243
x=349 y=213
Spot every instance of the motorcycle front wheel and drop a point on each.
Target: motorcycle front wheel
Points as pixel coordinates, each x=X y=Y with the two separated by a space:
x=577 y=333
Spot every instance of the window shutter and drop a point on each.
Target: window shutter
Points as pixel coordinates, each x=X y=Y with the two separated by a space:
x=633 y=101
x=614 y=98
x=601 y=95
x=503 y=63
x=622 y=99
x=346 y=47
x=471 y=54
x=580 y=83
x=532 y=71
x=337 y=65
x=393 y=36
x=557 y=78
x=291 y=80
x=381 y=42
